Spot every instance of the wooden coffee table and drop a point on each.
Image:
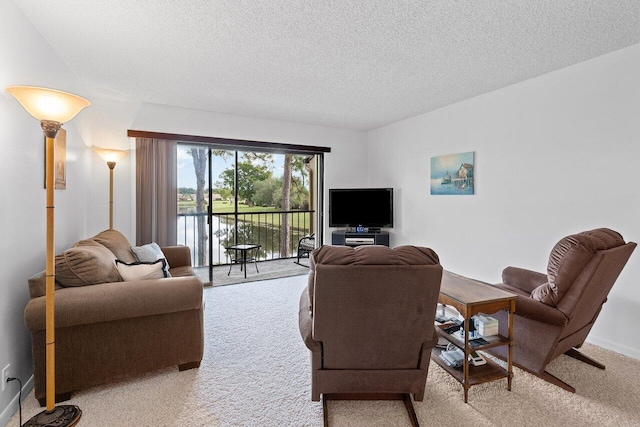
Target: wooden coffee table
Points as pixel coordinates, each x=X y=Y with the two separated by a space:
x=470 y=297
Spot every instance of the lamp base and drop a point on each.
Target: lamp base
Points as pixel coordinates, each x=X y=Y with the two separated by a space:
x=61 y=416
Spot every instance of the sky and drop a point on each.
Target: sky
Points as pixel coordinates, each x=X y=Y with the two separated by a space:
x=440 y=165
x=187 y=174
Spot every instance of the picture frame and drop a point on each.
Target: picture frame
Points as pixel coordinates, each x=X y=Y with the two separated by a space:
x=60 y=160
x=453 y=174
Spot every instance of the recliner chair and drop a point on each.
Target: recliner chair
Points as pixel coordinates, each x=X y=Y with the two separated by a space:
x=367 y=316
x=555 y=311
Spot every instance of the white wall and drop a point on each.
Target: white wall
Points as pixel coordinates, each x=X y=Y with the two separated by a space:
x=82 y=209
x=26 y=59
x=555 y=155
x=344 y=163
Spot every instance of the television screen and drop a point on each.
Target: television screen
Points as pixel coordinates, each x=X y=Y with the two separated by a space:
x=366 y=207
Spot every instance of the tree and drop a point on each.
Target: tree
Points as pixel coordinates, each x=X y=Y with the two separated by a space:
x=200 y=165
x=248 y=175
x=299 y=189
x=286 y=206
x=225 y=193
x=186 y=190
x=299 y=194
x=264 y=192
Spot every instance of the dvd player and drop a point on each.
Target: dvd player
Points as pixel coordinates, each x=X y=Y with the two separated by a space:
x=360 y=241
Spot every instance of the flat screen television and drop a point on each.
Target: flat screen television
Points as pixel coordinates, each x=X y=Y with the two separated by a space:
x=361 y=207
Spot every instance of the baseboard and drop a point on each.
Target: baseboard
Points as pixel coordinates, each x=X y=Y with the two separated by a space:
x=614 y=346
x=12 y=407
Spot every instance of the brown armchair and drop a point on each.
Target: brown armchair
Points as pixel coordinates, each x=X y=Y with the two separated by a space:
x=555 y=311
x=367 y=315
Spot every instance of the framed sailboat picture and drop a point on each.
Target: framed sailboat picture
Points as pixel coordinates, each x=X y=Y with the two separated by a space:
x=453 y=174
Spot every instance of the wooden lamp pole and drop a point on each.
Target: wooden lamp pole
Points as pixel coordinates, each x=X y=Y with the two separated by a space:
x=111 y=166
x=52 y=108
x=111 y=157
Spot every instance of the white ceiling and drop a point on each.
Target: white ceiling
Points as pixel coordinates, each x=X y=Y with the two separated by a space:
x=357 y=64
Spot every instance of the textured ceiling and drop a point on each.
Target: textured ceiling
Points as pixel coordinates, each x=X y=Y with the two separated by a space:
x=356 y=64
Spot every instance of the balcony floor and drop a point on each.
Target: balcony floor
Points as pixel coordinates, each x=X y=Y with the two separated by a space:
x=268 y=270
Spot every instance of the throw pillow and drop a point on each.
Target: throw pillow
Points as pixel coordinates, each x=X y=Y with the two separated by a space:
x=142 y=270
x=149 y=253
x=117 y=243
x=88 y=263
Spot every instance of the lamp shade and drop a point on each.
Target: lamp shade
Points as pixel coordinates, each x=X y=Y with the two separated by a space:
x=109 y=155
x=48 y=104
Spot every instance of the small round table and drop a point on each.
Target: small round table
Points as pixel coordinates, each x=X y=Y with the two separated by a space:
x=242 y=260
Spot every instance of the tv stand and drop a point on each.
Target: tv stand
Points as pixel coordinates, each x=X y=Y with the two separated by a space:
x=348 y=238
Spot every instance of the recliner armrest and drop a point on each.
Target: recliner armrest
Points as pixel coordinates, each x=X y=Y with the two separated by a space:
x=305 y=323
x=426 y=350
x=525 y=280
x=535 y=310
x=177 y=256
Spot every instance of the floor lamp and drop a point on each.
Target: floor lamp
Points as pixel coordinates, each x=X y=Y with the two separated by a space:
x=111 y=157
x=52 y=108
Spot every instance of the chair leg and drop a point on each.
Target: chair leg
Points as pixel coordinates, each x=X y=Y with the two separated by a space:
x=555 y=381
x=410 y=411
x=549 y=378
x=546 y=376
x=405 y=397
x=305 y=254
x=187 y=366
x=583 y=358
x=325 y=414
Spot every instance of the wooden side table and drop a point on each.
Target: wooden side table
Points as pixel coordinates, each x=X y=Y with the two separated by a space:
x=470 y=297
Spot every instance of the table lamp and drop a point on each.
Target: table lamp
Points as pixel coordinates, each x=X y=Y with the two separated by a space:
x=111 y=157
x=52 y=108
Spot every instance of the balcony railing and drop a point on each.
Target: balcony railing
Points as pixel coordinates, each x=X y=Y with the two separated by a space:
x=262 y=228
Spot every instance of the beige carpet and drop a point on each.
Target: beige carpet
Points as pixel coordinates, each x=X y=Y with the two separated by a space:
x=255 y=372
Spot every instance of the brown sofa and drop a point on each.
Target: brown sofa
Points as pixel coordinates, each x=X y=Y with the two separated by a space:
x=367 y=316
x=555 y=311
x=109 y=329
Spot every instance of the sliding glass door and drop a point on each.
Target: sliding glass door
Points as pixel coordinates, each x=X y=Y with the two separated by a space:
x=227 y=197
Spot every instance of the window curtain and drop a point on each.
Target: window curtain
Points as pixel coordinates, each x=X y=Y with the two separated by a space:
x=156 y=191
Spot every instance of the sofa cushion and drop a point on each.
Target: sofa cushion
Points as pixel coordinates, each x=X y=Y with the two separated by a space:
x=87 y=263
x=116 y=243
x=142 y=270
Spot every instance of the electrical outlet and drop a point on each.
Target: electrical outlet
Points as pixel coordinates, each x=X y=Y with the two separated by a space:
x=5 y=375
